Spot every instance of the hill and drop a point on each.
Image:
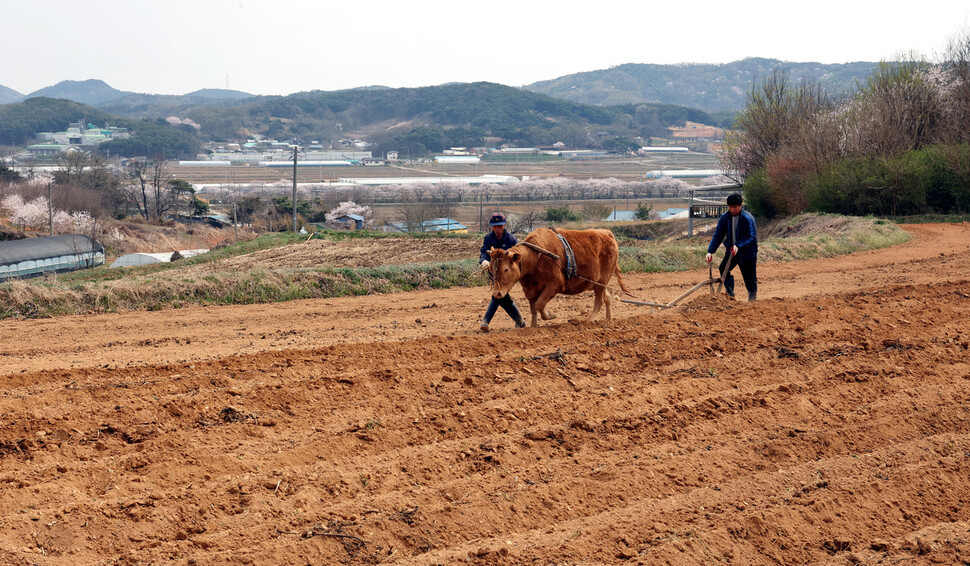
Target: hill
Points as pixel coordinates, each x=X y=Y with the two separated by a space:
x=91 y=91
x=219 y=94
x=709 y=87
x=8 y=95
x=98 y=93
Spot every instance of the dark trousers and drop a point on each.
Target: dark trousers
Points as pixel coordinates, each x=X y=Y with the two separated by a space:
x=506 y=303
x=749 y=272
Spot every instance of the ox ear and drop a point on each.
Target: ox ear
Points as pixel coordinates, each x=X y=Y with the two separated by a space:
x=514 y=256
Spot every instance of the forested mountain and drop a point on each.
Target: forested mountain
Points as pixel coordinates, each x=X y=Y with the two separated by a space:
x=476 y=110
x=413 y=120
x=710 y=87
x=580 y=110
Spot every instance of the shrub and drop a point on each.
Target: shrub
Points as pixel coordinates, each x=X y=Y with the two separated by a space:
x=643 y=211
x=596 y=210
x=561 y=214
x=757 y=195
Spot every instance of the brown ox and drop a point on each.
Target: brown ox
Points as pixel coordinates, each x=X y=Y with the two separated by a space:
x=542 y=277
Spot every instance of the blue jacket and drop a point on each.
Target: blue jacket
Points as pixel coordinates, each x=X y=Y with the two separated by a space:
x=747 y=236
x=507 y=241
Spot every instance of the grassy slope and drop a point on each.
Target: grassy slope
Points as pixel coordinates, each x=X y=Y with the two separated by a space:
x=165 y=285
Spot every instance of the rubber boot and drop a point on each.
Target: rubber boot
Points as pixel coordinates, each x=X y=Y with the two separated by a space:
x=520 y=323
x=752 y=296
x=484 y=326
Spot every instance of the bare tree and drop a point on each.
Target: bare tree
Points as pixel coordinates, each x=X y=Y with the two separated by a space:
x=163 y=197
x=147 y=187
x=72 y=165
x=595 y=211
x=136 y=187
x=898 y=109
x=528 y=220
x=443 y=200
x=413 y=210
x=775 y=110
x=956 y=66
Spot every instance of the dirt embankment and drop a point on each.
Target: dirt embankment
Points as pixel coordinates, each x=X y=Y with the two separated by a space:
x=827 y=423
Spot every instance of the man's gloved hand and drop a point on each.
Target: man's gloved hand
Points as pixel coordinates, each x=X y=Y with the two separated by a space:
x=710 y=258
x=734 y=250
x=485 y=264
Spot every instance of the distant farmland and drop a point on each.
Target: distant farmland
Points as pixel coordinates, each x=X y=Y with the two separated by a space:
x=623 y=168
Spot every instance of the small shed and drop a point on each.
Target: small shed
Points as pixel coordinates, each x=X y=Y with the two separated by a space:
x=348 y=218
x=53 y=254
x=433 y=225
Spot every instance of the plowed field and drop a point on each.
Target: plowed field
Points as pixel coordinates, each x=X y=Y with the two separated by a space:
x=827 y=423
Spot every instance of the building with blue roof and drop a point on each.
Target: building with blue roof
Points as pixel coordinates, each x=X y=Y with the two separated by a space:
x=433 y=225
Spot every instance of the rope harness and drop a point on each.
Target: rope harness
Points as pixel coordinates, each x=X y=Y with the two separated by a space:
x=569 y=270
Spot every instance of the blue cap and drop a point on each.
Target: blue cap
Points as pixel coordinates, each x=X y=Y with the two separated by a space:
x=497 y=219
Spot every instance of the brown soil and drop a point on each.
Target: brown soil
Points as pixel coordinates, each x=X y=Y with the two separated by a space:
x=826 y=423
x=349 y=253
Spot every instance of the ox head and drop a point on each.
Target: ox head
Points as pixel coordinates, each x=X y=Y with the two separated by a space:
x=506 y=270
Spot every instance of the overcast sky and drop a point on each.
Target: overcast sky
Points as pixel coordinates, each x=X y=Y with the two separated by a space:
x=287 y=46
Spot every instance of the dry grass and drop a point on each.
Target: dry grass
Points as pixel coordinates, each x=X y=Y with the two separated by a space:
x=270 y=280
x=144 y=237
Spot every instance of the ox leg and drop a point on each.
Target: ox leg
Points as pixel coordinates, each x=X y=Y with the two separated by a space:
x=602 y=297
x=538 y=305
x=541 y=302
x=598 y=295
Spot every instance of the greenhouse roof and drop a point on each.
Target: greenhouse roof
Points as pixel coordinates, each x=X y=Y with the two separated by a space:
x=15 y=251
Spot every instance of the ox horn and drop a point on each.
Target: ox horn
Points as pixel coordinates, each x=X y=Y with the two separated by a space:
x=543 y=251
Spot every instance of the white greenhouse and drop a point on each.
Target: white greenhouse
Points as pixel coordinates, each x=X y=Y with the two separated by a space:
x=31 y=257
x=147 y=258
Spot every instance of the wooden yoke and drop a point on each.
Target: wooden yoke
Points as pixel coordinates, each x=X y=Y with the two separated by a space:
x=542 y=251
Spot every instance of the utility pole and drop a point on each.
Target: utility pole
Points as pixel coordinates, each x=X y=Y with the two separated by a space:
x=50 y=209
x=690 y=215
x=295 y=149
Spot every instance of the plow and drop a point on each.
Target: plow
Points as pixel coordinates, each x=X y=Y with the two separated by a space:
x=710 y=282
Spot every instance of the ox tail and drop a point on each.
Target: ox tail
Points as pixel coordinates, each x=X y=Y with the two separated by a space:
x=616 y=269
x=619 y=279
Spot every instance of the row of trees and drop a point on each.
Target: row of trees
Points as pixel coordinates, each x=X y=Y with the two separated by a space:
x=270 y=204
x=531 y=190
x=38 y=214
x=898 y=145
